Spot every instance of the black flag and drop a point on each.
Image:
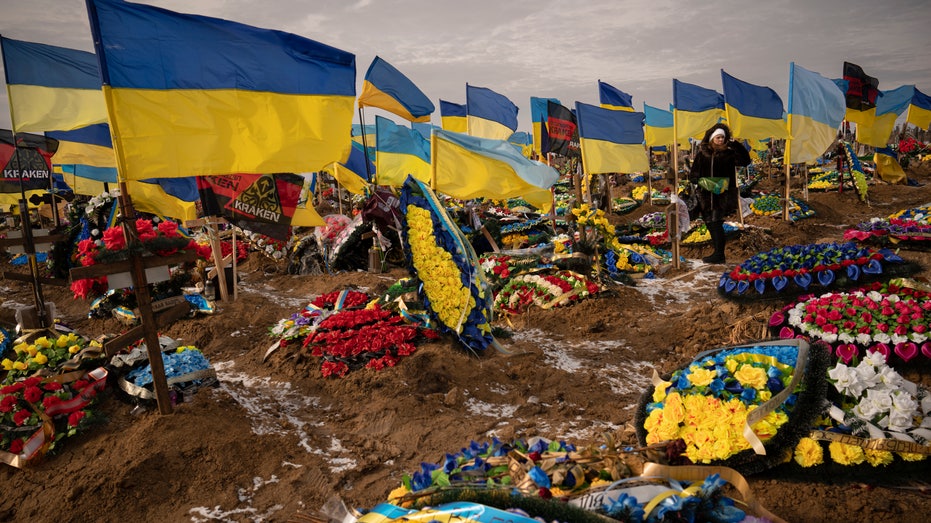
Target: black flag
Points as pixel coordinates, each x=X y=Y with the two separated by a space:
x=562 y=130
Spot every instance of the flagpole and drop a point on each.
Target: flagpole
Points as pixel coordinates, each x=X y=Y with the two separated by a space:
x=675 y=180
x=787 y=160
x=140 y=282
x=365 y=147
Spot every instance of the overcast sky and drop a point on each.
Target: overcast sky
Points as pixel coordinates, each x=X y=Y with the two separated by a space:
x=561 y=49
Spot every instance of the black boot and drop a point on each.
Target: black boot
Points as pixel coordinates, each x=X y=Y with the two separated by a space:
x=718 y=240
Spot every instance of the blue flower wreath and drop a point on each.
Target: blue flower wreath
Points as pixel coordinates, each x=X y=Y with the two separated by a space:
x=797 y=268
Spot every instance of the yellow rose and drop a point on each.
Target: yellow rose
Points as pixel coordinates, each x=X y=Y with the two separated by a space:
x=701 y=377
x=43 y=342
x=74 y=349
x=61 y=342
x=20 y=365
x=809 y=453
x=21 y=347
x=41 y=358
x=7 y=364
x=750 y=376
x=730 y=365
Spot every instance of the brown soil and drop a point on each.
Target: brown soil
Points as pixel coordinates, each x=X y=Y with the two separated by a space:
x=276 y=440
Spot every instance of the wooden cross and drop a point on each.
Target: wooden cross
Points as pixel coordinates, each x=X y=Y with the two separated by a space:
x=219 y=261
x=26 y=242
x=148 y=328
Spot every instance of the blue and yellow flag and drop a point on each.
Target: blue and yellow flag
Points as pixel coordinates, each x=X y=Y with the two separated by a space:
x=816 y=109
x=355 y=174
x=489 y=114
x=611 y=141
x=613 y=98
x=387 y=88
x=51 y=88
x=695 y=109
x=889 y=106
x=538 y=117
x=401 y=151
x=887 y=165
x=86 y=160
x=365 y=138
x=453 y=117
x=919 y=110
x=190 y=95
x=753 y=112
x=658 y=126
x=89 y=146
x=468 y=167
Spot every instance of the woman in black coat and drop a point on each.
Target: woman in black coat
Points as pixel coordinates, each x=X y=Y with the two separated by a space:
x=718 y=156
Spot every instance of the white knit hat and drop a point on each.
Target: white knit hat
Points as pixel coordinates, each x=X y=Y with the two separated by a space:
x=717 y=132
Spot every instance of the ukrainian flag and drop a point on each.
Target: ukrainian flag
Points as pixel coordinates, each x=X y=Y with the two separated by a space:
x=364 y=137
x=919 y=110
x=401 y=151
x=387 y=88
x=611 y=141
x=753 y=112
x=538 y=116
x=816 y=109
x=889 y=107
x=193 y=95
x=87 y=161
x=468 y=167
x=887 y=165
x=613 y=98
x=489 y=114
x=658 y=126
x=51 y=88
x=89 y=146
x=453 y=117
x=695 y=110
x=523 y=142
x=356 y=172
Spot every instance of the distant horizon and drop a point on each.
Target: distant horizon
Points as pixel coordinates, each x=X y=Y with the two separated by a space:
x=522 y=50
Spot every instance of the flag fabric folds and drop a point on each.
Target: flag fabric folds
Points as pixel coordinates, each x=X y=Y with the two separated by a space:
x=887 y=165
x=453 y=117
x=695 y=109
x=861 y=94
x=400 y=151
x=889 y=106
x=354 y=175
x=387 y=88
x=562 y=131
x=190 y=95
x=264 y=203
x=538 y=115
x=489 y=114
x=919 y=110
x=611 y=141
x=87 y=161
x=816 y=109
x=658 y=126
x=51 y=88
x=468 y=167
x=753 y=112
x=89 y=146
x=613 y=98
